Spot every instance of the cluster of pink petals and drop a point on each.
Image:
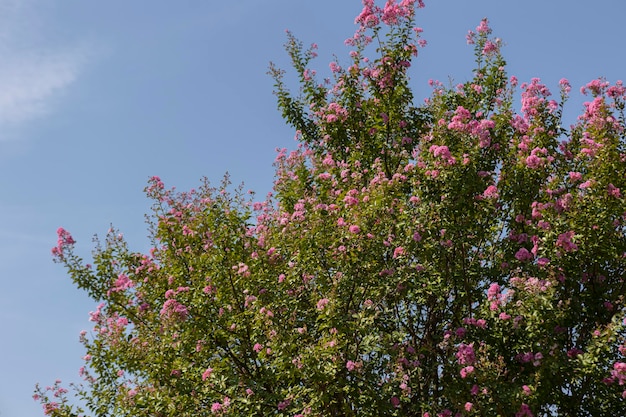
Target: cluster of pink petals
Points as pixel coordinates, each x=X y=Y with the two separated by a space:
x=390 y=14
x=64 y=240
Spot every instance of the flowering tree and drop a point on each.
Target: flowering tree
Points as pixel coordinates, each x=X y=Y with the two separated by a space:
x=458 y=257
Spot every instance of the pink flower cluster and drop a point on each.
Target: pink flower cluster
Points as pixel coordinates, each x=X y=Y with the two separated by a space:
x=462 y=121
x=172 y=309
x=534 y=98
x=465 y=354
x=619 y=372
x=565 y=242
x=442 y=151
x=390 y=14
x=64 y=240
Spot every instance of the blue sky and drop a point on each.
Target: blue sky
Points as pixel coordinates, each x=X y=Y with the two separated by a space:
x=96 y=97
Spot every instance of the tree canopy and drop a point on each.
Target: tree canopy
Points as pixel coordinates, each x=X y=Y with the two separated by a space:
x=453 y=257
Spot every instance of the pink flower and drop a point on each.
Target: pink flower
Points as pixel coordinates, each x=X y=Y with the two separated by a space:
x=64 y=240
x=465 y=372
x=354 y=229
x=207 y=373
x=534 y=162
x=468 y=406
x=367 y=18
x=399 y=251
x=443 y=151
x=614 y=191
x=122 y=283
x=484 y=27
x=493 y=291
x=324 y=176
x=524 y=411
x=257 y=347
x=575 y=176
x=564 y=241
x=543 y=261
x=172 y=309
x=523 y=255
x=586 y=184
x=322 y=303
x=283 y=404
x=619 y=372
x=395 y=401
x=465 y=354
x=491 y=192
x=490 y=48
x=50 y=407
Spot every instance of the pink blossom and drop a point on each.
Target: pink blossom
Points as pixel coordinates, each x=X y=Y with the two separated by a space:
x=524 y=411
x=354 y=229
x=49 y=408
x=322 y=303
x=586 y=184
x=465 y=354
x=395 y=401
x=523 y=255
x=283 y=404
x=534 y=162
x=619 y=372
x=64 y=240
x=443 y=152
x=483 y=27
x=468 y=406
x=543 y=261
x=614 y=191
x=399 y=251
x=207 y=373
x=172 y=309
x=493 y=291
x=465 y=372
x=491 y=192
x=564 y=241
x=490 y=48
x=324 y=176
x=367 y=17
x=122 y=283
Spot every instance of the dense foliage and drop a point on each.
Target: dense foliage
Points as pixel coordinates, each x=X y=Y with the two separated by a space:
x=457 y=257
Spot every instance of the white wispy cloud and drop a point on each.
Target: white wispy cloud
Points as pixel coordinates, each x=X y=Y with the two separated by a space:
x=33 y=70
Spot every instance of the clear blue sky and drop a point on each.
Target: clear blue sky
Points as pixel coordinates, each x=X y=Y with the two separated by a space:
x=97 y=96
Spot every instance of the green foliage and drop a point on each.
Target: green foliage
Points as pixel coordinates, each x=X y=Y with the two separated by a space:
x=454 y=258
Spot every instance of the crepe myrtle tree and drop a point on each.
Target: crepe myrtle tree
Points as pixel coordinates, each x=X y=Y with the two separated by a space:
x=453 y=258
